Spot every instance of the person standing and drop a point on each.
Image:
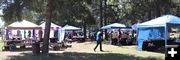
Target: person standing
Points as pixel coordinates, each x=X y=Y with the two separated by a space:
x=98 y=40
x=40 y=34
x=115 y=37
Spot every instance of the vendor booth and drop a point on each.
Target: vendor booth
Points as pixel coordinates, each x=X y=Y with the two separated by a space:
x=22 y=29
x=21 y=33
x=53 y=28
x=117 y=31
x=68 y=32
x=156 y=29
x=53 y=32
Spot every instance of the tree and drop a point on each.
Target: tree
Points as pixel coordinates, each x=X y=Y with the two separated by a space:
x=45 y=49
x=149 y=9
x=88 y=12
x=60 y=10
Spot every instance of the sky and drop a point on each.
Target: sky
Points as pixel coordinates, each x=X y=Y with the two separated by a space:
x=1 y=12
x=1 y=21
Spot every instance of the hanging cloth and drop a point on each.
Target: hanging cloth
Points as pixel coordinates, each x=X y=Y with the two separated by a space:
x=56 y=33
x=34 y=35
x=19 y=33
x=29 y=33
x=40 y=33
x=7 y=34
x=24 y=34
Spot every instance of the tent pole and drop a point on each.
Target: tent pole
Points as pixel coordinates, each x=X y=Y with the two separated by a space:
x=166 y=33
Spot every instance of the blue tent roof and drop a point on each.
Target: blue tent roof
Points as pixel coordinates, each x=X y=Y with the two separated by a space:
x=161 y=21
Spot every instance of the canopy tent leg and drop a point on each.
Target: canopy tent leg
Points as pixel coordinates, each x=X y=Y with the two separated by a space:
x=166 y=37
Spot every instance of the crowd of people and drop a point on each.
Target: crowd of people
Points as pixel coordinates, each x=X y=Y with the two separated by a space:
x=72 y=34
x=117 y=36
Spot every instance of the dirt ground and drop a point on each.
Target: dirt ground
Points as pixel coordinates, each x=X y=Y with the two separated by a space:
x=87 y=47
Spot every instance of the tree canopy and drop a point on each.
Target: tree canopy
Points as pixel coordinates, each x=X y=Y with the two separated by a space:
x=68 y=11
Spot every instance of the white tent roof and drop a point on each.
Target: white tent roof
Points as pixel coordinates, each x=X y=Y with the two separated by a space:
x=68 y=27
x=52 y=25
x=161 y=21
x=23 y=24
x=114 y=25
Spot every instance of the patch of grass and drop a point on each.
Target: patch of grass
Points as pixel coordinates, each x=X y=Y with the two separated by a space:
x=84 y=51
x=3 y=58
x=1 y=44
x=79 y=56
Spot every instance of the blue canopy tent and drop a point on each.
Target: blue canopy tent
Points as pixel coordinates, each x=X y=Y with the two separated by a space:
x=156 y=29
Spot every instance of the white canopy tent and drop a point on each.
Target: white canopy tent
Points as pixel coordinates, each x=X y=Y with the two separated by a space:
x=134 y=27
x=53 y=28
x=114 y=25
x=165 y=21
x=64 y=29
x=52 y=25
x=24 y=24
x=68 y=27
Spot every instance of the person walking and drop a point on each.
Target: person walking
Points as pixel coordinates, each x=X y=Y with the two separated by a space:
x=98 y=40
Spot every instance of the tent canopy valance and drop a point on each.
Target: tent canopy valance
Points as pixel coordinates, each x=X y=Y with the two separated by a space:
x=114 y=25
x=52 y=25
x=68 y=27
x=24 y=24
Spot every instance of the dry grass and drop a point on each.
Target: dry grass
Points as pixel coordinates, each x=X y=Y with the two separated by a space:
x=1 y=44
x=128 y=50
x=84 y=51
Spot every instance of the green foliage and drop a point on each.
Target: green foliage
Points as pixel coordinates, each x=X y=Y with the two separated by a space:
x=68 y=11
x=149 y=9
x=34 y=10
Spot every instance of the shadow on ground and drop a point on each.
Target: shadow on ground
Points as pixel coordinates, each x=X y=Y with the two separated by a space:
x=79 y=56
x=30 y=48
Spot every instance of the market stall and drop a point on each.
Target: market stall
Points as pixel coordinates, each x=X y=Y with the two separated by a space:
x=68 y=33
x=53 y=32
x=156 y=30
x=21 y=33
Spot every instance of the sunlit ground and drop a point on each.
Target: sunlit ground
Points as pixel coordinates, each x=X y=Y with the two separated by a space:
x=84 y=51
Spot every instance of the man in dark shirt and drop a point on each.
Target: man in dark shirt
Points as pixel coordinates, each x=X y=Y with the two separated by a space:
x=98 y=40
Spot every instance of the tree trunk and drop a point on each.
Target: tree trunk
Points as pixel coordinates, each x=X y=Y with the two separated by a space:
x=105 y=18
x=149 y=14
x=158 y=8
x=45 y=48
x=84 y=26
x=101 y=14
